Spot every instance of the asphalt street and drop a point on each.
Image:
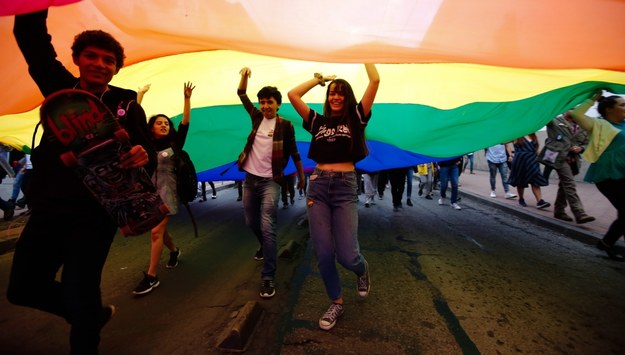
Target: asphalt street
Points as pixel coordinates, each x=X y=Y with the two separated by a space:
x=480 y=280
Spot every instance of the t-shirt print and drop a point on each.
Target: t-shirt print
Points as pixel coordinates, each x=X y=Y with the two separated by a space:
x=330 y=134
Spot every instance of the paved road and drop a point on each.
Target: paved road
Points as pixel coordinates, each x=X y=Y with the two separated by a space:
x=480 y=280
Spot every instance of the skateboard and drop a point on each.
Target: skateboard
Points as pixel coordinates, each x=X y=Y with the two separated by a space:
x=92 y=141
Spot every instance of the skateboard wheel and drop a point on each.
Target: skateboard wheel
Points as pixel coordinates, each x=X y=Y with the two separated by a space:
x=164 y=209
x=122 y=135
x=69 y=159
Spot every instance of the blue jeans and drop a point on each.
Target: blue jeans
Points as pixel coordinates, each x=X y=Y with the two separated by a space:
x=503 y=171
x=260 y=202
x=17 y=185
x=332 y=206
x=409 y=175
x=449 y=173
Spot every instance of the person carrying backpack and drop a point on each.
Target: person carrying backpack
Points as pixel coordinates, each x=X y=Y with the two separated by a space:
x=167 y=141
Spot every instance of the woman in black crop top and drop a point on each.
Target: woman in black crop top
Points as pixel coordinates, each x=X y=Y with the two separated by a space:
x=338 y=142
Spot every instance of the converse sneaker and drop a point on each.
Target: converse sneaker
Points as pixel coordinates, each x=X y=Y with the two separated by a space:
x=146 y=285
x=173 y=259
x=364 y=284
x=328 y=320
x=267 y=289
x=456 y=206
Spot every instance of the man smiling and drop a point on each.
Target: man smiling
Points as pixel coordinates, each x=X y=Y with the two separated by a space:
x=267 y=150
x=67 y=227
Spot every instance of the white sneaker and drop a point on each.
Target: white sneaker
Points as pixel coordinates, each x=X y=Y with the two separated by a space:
x=456 y=206
x=510 y=195
x=493 y=194
x=441 y=201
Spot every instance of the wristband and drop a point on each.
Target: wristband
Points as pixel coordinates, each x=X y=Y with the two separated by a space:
x=319 y=77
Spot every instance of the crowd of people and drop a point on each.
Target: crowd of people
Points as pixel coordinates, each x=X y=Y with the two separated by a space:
x=330 y=190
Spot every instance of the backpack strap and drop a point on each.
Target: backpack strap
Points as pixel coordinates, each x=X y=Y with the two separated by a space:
x=186 y=205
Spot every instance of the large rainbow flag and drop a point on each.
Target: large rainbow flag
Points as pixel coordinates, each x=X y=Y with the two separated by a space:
x=456 y=76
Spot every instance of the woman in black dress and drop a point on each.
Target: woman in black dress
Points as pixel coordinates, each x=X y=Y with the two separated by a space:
x=525 y=170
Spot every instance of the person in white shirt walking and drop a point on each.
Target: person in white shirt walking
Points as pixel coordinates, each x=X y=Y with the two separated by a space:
x=498 y=157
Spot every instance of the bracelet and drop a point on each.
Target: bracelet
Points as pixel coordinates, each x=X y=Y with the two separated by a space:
x=319 y=77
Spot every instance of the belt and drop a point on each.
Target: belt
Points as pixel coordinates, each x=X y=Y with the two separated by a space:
x=331 y=173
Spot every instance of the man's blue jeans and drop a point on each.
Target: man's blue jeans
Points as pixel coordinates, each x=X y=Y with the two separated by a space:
x=449 y=173
x=260 y=203
x=332 y=206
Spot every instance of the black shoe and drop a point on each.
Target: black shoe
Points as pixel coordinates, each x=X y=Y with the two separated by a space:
x=107 y=313
x=409 y=202
x=259 y=254
x=9 y=213
x=239 y=198
x=563 y=216
x=542 y=204
x=173 y=259
x=601 y=245
x=21 y=203
x=147 y=284
x=267 y=289
x=584 y=219
x=428 y=196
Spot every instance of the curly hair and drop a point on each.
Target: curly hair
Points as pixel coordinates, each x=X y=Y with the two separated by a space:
x=98 y=39
x=172 y=129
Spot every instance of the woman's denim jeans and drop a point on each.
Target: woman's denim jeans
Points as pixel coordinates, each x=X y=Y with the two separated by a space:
x=332 y=204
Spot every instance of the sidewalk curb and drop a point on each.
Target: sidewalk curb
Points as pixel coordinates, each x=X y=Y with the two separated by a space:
x=566 y=229
x=236 y=337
